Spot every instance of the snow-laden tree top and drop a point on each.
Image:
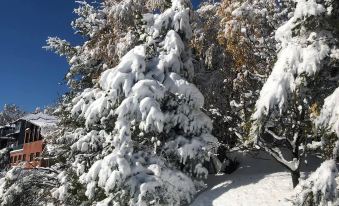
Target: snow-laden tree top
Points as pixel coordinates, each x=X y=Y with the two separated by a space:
x=299 y=55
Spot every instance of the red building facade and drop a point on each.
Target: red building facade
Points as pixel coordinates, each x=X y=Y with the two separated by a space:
x=27 y=140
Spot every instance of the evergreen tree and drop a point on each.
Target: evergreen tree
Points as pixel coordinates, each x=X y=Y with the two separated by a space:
x=139 y=136
x=282 y=122
x=23 y=187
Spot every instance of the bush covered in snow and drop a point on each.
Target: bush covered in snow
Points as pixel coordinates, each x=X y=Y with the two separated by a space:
x=320 y=188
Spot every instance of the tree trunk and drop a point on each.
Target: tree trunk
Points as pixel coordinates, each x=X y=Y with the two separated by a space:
x=295 y=177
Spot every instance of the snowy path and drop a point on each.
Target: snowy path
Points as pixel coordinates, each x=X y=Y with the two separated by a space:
x=257 y=182
x=247 y=190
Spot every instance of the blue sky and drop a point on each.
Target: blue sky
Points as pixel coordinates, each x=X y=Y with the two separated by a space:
x=29 y=75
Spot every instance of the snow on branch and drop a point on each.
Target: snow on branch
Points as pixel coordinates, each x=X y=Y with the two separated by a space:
x=329 y=115
x=277 y=154
x=301 y=57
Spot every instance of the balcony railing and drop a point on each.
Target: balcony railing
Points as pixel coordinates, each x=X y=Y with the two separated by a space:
x=17 y=147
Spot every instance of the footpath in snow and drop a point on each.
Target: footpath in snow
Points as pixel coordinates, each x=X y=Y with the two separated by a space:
x=259 y=181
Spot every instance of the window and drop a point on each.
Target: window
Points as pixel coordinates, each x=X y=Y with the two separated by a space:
x=17 y=126
x=24 y=157
x=11 y=159
x=27 y=135
x=19 y=158
x=15 y=159
x=31 y=157
x=31 y=139
x=37 y=132
x=37 y=154
x=33 y=133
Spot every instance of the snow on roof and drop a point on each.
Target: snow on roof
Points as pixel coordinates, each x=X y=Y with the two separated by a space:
x=41 y=119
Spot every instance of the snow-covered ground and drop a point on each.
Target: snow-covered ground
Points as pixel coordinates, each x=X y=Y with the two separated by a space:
x=259 y=181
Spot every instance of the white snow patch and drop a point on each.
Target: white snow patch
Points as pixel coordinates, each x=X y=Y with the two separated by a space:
x=258 y=181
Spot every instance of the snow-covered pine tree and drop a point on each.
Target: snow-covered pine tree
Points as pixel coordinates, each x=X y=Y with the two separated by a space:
x=109 y=31
x=282 y=122
x=21 y=187
x=142 y=138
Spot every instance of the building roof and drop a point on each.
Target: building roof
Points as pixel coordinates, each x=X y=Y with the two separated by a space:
x=41 y=119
